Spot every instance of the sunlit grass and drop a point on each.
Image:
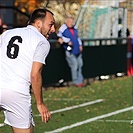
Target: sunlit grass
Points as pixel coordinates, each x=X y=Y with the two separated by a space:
x=117 y=94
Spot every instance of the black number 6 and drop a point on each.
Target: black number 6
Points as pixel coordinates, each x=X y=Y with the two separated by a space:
x=13 y=49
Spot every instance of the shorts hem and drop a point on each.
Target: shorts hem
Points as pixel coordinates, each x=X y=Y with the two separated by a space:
x=21 y=127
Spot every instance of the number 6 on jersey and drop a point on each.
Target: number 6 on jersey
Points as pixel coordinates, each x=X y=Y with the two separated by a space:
x=13 y=49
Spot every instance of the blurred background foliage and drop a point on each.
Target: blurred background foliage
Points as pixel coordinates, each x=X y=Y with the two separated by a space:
x=64 y=8
x=60 y=8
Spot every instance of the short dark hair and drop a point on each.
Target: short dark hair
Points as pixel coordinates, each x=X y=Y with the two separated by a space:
x=38 y=14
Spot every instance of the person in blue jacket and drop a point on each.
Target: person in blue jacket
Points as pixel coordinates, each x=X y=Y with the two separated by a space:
x=73 y=50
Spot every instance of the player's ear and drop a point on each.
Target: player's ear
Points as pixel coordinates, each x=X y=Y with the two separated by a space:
x=38 y=24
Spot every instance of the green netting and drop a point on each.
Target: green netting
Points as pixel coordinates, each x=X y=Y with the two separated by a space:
x=96 y=22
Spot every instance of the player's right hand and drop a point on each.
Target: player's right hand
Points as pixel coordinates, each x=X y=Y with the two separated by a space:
x=45 y=114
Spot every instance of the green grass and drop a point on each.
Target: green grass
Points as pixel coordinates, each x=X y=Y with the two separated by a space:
x=117 y=94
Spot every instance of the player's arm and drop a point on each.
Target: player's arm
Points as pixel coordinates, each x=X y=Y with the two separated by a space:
x=36 y=81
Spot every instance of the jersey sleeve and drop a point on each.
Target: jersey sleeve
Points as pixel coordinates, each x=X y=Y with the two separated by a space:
x=41 y=52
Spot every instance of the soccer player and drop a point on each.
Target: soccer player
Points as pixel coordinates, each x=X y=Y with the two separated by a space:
x=23 y=53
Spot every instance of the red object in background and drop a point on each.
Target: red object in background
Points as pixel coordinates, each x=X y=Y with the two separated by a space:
x=129 y=57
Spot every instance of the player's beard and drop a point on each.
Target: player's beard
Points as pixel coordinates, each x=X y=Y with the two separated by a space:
x=44 y=32
x=47 y=35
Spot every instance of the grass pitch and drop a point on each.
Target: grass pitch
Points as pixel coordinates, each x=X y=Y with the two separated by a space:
x=117 y=95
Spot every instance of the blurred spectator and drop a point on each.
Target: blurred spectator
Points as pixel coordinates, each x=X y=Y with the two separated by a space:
x=4 y=27
x=73 y=50
x=0 y=21
x=1 y=26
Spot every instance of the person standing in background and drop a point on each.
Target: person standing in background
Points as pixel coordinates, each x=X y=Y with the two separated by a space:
x=1 y=29
x=4 y=27
x=73 y=50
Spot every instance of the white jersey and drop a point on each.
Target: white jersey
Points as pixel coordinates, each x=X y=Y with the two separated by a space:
x=21 y=47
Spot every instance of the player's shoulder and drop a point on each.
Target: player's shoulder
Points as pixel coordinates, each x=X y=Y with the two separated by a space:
x=30 y=32
x=5 y=33
x=35 y=33
x=11 y=31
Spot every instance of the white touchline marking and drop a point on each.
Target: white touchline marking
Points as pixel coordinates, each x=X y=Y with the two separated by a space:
x=1 y=125
x=74 y=107
x=117 y=121
x=66 y=99
x=90 y=120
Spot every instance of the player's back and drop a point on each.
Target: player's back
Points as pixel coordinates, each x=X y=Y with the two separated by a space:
x=17 y=52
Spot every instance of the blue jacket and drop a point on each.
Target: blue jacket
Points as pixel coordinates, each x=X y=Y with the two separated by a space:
x=67 y=36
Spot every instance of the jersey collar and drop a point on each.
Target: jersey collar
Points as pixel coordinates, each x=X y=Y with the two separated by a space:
x=32 y=27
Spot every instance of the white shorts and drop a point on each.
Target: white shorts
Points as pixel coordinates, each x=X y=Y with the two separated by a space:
x=17 y=108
